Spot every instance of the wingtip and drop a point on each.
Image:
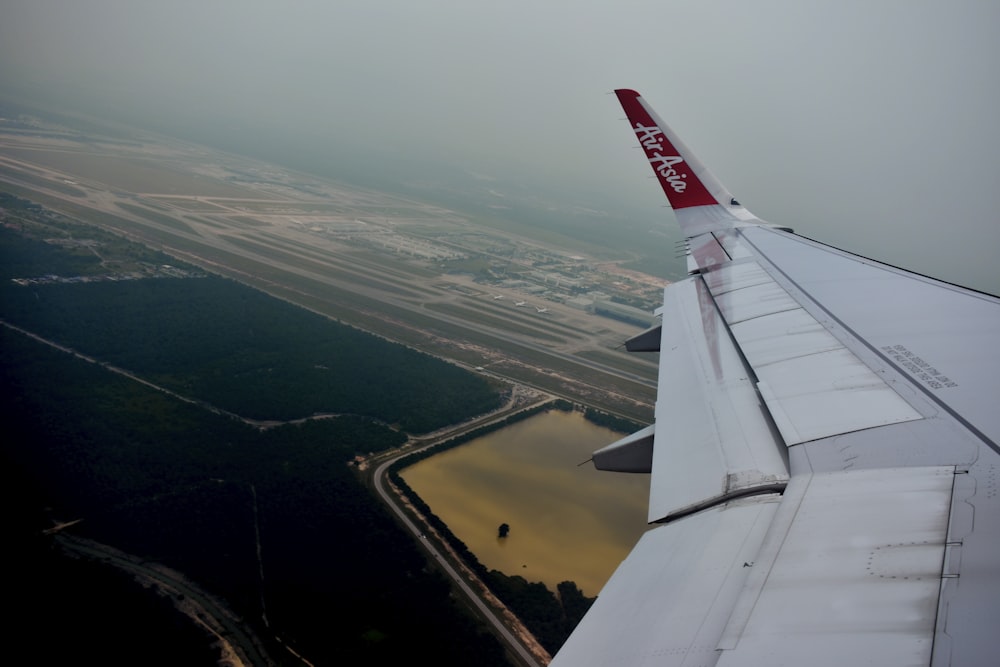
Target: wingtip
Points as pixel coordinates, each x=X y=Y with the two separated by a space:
x=677 y=171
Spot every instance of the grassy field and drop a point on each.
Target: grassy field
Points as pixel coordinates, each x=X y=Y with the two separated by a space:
x=165 y=220
x=41 y=182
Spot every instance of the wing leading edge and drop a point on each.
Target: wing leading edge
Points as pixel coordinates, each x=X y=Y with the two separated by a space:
x=824 y=456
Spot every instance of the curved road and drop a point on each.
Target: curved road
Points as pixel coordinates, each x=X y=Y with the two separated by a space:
x=241 y=646
x=487 y=612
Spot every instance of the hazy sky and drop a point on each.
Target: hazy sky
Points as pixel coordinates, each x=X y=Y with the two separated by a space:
x=869 y=125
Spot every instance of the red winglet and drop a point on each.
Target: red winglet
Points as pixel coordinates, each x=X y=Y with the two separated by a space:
x=678 y=180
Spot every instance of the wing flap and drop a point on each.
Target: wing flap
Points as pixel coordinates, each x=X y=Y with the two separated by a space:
x=708 y=413
x=783 y=336
x=736 y=276
x=851 y=567
x=633 y=453
x=747 y=303
x=829 y=393
x=670 y=600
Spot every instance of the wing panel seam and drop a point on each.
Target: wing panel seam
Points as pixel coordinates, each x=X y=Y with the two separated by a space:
x=763 y=490
x=924 y=390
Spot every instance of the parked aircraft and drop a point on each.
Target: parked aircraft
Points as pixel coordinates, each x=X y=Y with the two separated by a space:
x=541 y=310
x=824 y=459
x=519 y=303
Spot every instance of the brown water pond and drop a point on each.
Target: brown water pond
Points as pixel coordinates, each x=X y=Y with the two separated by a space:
x=567 y=522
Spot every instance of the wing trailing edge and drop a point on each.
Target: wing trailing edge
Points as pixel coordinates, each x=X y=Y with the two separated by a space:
x=670 y=600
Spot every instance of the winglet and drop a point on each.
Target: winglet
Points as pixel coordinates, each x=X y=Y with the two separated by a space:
x=674 y=170
x=701 y=202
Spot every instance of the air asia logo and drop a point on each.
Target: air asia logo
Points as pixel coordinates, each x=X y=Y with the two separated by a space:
x=650 y=139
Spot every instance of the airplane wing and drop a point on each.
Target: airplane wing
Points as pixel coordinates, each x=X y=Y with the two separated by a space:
x=825 y=463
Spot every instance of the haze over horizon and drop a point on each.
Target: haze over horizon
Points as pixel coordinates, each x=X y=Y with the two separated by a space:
x=866 y=125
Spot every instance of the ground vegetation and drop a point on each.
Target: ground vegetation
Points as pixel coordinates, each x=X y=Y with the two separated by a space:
x=269 y=516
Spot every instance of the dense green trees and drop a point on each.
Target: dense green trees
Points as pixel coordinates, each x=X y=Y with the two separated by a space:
x=165 y=479
x=551 y=618
x=248 y=353
x=179 y=484
x=613 y=422
x=33 y=258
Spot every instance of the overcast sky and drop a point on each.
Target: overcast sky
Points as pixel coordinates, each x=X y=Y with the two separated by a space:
x=869 y=125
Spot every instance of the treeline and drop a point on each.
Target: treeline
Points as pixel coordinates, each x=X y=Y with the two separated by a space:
x=613 y=422
x=551 y=618
x=22 y=257
x=248 y=353
x=26 y=253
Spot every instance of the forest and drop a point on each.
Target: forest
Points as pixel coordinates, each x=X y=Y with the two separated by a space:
x=169 y=481
x=247 y=353
x=172 y=482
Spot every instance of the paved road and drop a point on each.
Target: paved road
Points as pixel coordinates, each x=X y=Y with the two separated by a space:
x=487 y=612
x=243 y=646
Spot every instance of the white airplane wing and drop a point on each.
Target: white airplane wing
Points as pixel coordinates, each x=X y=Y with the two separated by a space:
x=825 y=462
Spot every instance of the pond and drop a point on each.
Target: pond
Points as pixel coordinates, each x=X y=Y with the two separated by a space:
x=567 y=522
